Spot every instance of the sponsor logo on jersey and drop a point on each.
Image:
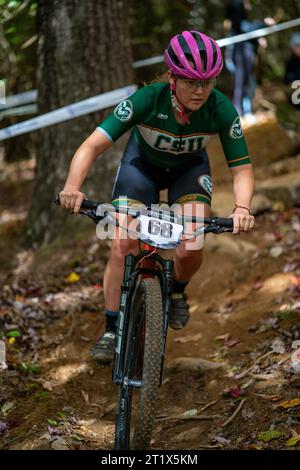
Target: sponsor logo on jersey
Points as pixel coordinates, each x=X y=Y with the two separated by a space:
x=172 y=144
x=124 y=111
x=206 y=183
x=236 y=131
x=162 y=116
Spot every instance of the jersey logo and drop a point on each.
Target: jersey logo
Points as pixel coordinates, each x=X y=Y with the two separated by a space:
x=124 y=111
x=236 y=131
x=206 y=183
x=162 y=116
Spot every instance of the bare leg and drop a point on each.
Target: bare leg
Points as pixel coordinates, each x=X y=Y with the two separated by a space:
x=188 y=261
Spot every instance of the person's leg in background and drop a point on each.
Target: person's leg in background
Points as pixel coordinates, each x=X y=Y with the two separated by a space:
x=238 y=77
x=250 y=79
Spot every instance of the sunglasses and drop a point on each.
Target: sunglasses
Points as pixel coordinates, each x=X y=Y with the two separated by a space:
x=195 y=84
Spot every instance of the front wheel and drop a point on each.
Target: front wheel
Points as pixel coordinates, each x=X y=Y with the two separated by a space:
x=143 y=355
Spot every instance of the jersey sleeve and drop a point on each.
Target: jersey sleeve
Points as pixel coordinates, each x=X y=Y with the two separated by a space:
x=134 y=110
x=231 y=134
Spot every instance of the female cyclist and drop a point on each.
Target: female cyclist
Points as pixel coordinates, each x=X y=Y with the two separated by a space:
x=171 y=123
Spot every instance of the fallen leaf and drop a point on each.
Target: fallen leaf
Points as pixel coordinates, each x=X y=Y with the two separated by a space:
x=47 y=385
x=284 y=314
x=276 y=251
x=257 y=285
x=193 y=308
x=221 y=440
x=223 y=337
x=73 y=277
x=13 y=334
x=296 y=280
x=278 y=346
x=234 y=392
x=248 y=414
x=186 y=339
x=268 y=397
x=42 y=395
x=278 y=206
x=54 y=432
x=290 y=267
x=293 y=440
x=3 y=427
x=84 y=338
x=278 y=236
x=86 y=397
x=28 y=367
x=8 y=405
x=52 y=422
x=267 y=436
x=231 y=343
x=98 y=286
x=289 y=403
x=190 y=413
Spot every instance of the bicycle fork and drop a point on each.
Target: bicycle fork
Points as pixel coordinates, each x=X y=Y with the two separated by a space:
x=126 y=287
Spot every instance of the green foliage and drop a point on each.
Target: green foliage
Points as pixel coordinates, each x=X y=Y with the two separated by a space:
x=268 y=436
x=29 y=367
x=13 y=334
x=18 y=63
x=42 y=395
x=52 y=422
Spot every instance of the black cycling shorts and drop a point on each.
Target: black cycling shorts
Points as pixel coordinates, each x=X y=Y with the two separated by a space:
x=140 y=181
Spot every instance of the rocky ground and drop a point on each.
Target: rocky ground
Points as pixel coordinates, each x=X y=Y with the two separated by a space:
x=231 y=379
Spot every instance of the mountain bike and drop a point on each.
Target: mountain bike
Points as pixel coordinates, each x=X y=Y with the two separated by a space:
x=145 y=303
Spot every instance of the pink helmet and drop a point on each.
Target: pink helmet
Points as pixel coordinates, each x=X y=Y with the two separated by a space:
x=194 y=55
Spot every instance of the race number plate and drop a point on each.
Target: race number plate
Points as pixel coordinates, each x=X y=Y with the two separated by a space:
x=159 y=233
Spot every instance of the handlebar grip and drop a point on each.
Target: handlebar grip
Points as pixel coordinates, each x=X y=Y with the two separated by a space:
x=222 y=222
x=86 y=203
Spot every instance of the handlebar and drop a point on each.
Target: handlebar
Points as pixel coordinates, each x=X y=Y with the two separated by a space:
x=97 y=211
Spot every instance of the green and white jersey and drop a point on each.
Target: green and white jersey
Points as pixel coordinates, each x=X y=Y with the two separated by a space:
x=166 y=143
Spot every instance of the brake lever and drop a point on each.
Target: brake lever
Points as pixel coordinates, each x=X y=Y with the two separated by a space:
x=211 y=229
x=89 y=213
x=217 y=229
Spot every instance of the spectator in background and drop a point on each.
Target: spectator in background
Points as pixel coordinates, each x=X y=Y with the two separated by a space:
x=292 y=69
x=240 y=58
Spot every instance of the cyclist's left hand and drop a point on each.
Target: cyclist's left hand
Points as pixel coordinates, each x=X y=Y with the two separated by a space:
x=242 y=221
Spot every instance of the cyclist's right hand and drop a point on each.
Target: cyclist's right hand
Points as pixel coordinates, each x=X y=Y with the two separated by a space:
x=70 y=198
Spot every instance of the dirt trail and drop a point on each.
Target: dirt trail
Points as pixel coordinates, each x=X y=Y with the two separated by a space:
x=228 y=297
x=244 y=312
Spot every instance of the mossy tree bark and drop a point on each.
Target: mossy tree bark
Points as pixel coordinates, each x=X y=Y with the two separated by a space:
x=83 y=50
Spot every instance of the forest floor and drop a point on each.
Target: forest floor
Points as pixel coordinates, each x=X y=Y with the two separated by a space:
x=245 y=316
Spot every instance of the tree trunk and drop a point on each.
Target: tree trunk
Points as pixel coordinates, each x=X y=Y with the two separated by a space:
x=83 y=50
